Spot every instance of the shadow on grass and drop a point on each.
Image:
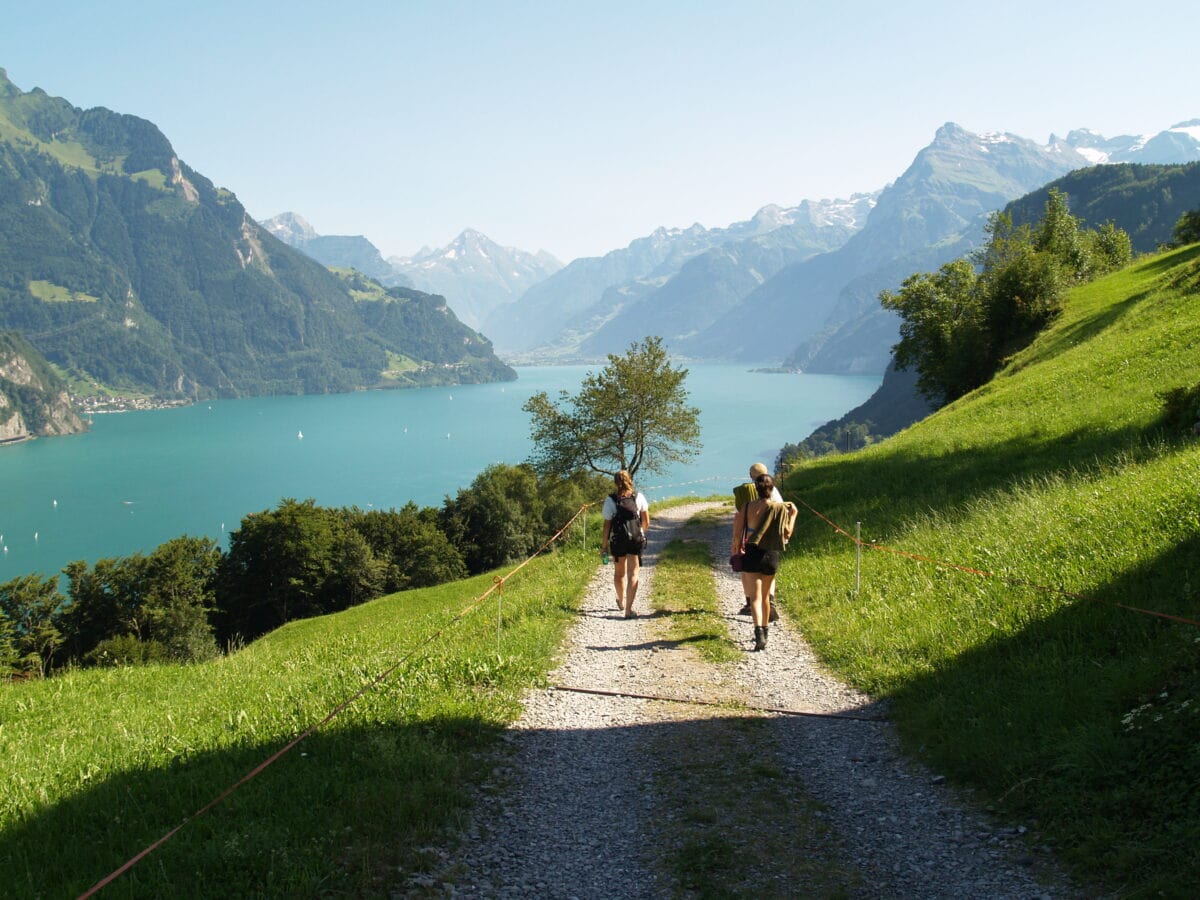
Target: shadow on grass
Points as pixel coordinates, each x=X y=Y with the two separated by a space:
x=1085 y=329
x=346 y=813
x=349 y=813
x=1086 y=722
x=332 y=817
x=1065 y=338
x=1169 y=261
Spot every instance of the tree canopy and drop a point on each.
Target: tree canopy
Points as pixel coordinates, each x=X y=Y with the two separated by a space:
x=1187 y=228
x=960 y=323
x=631 y=415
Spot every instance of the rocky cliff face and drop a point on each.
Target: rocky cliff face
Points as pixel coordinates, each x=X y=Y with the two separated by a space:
x=33 y=402
x=12 y=423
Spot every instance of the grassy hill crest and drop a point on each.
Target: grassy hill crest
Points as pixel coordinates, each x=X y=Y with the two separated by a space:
x=1059 y=472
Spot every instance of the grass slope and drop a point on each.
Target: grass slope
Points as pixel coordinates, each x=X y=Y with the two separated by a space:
x=1072 y=716
x=97 y=764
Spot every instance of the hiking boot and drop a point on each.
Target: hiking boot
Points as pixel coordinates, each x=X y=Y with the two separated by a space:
x=774 y=617
x=760 y=637
x=745 y=610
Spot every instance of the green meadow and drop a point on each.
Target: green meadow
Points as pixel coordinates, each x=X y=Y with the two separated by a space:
x=98 y=764
x=1070 y=715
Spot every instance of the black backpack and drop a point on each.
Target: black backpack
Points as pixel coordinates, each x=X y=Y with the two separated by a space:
x=626 y=535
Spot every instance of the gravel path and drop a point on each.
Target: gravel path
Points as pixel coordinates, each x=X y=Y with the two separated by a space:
x=578 y=803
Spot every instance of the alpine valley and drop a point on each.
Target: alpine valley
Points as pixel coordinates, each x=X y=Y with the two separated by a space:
x=813 y=271
x=128 y=271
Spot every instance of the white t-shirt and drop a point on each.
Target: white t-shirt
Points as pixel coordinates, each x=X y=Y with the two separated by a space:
x=610 y=508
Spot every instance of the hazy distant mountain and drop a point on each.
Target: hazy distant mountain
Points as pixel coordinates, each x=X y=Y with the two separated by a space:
x=670 y=283
x=475 y=274
x=546 y=308
x=1178 y=144
x=935 y=212
x=335 y=251
x=122 y=265
x=813 y=276
x=707 y=286
x=918 y=221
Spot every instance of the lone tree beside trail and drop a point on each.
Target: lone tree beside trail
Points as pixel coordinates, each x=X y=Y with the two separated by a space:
x=632 y=415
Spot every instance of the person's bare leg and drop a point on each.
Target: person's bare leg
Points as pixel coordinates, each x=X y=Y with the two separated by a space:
x=631 y=587
x=748 y=579
x=758 y=613
x=762 y=610
x=619 y=579
x=767 y=586
x=758 y=603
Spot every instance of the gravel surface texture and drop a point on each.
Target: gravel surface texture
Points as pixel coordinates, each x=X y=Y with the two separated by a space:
x=577 y=802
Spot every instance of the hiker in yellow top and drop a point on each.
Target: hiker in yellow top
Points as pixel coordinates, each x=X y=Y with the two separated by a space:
x=743 y=494
x=765 y=528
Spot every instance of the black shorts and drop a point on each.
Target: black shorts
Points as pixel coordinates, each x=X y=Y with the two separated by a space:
x=620 y=544
x=760 y=562
x=622 y=551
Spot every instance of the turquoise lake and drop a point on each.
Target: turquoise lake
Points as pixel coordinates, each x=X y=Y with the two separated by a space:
x=138 y=479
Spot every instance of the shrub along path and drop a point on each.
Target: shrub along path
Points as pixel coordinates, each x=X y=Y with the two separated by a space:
x=614 y=796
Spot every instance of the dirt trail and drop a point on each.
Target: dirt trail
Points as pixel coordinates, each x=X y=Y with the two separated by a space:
x=609 y=796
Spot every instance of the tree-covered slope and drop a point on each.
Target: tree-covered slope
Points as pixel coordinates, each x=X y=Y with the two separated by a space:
x=1145 y=201
x=124 y=266
x=437 y=348
x=1055 y=684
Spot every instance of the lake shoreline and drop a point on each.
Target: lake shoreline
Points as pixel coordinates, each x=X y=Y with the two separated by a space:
x=199 y=468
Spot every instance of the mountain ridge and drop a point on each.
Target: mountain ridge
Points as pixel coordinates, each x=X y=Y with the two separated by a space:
x=475 y=273
x=858 y=333
x=824 y=310
x=580 y=293
x=335 y=251
x=122 y=265
x=1143 y=200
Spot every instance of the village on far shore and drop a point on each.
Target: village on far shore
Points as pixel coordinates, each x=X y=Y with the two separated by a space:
x=97 y=403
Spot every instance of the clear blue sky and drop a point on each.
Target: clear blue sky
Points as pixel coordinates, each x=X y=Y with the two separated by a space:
x=575 y=127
